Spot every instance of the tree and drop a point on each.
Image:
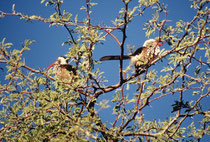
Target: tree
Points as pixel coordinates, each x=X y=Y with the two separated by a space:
x=35 y=106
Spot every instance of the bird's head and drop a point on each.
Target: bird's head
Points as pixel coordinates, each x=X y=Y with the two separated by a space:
x=60 y=61
x=152 y=43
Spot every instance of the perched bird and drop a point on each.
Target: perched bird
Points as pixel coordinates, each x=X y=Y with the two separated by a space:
x=142 y=56
x=63 y=70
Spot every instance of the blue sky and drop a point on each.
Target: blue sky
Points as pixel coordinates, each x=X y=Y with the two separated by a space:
x=49 y=38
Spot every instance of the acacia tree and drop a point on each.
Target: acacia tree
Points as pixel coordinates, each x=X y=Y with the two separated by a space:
x=35 y=106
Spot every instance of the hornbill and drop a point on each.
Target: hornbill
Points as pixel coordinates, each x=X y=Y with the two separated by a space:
x=63 y=70
x=142 y=56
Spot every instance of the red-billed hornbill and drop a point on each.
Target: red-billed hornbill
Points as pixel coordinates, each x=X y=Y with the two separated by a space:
x=142 y=56
x=63 y=70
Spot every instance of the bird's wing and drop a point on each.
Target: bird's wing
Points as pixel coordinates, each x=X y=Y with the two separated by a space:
x=138 y=51
x=70 y=68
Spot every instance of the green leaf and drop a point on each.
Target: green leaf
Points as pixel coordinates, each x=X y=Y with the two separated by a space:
x=34 y=17
x=75 y=19
x=42 y=1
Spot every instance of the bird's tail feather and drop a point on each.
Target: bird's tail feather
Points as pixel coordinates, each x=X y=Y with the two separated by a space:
x=117 y=57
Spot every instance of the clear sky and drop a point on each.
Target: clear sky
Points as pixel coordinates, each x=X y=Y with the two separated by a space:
x=48 y=39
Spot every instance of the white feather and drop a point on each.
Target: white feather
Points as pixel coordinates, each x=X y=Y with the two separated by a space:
x=148 y=42
x=62 y=60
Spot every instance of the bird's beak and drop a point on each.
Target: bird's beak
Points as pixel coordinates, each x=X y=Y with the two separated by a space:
x=50 y=66
x=160 y=44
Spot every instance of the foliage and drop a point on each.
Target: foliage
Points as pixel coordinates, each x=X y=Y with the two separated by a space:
x=37 y=107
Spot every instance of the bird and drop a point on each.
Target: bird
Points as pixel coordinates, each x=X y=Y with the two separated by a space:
x=63 y=70
x=142 y=57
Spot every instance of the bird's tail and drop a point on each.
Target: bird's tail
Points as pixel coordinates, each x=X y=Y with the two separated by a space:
x=117 y=57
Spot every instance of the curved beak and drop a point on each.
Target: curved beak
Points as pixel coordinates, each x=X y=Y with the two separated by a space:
x=160 y=44
x=50 y=66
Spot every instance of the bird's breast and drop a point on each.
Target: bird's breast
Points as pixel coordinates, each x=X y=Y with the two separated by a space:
x=157 y=50
x=63 y=74
x=136 y=58
x=153 y=51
